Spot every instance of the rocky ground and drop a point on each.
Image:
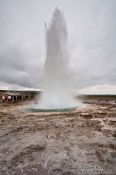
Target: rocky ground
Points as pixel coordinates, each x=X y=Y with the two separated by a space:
x=80 y=142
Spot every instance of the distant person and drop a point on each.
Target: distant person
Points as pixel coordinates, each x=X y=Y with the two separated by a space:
x=17 y=98
x=14 y=98
x=20 y=98
x=23 y=98
x=9 y=98
x=3 y=98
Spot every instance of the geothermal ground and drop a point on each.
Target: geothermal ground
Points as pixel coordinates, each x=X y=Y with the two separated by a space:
x=70 y=143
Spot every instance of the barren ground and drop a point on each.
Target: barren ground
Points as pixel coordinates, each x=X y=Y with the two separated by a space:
x=72 y=143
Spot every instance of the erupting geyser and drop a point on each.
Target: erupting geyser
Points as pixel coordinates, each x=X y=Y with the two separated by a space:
x=57 y=79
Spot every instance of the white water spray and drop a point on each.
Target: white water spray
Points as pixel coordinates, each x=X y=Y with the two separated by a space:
x=57 y=85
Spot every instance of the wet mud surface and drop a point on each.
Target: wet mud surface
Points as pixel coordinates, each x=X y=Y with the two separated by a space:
x=65 y=143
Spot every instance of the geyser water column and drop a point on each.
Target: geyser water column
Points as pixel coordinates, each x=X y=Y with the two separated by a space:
x=57 y=85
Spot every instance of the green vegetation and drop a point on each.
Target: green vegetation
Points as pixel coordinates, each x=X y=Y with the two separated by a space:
x=98 y=97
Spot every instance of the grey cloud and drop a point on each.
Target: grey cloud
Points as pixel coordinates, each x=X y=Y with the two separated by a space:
x=91 y=27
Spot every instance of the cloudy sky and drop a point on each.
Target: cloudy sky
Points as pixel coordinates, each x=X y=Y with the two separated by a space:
x=91 y=26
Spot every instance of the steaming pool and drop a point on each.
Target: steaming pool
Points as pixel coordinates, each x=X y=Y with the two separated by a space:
x=34 y=109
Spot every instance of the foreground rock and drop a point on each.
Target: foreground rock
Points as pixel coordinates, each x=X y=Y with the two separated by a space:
x=78 y=142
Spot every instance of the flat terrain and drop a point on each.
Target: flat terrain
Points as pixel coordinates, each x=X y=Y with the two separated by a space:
x=69 y=143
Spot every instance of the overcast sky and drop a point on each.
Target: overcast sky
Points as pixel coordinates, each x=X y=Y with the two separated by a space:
x=91 y=26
